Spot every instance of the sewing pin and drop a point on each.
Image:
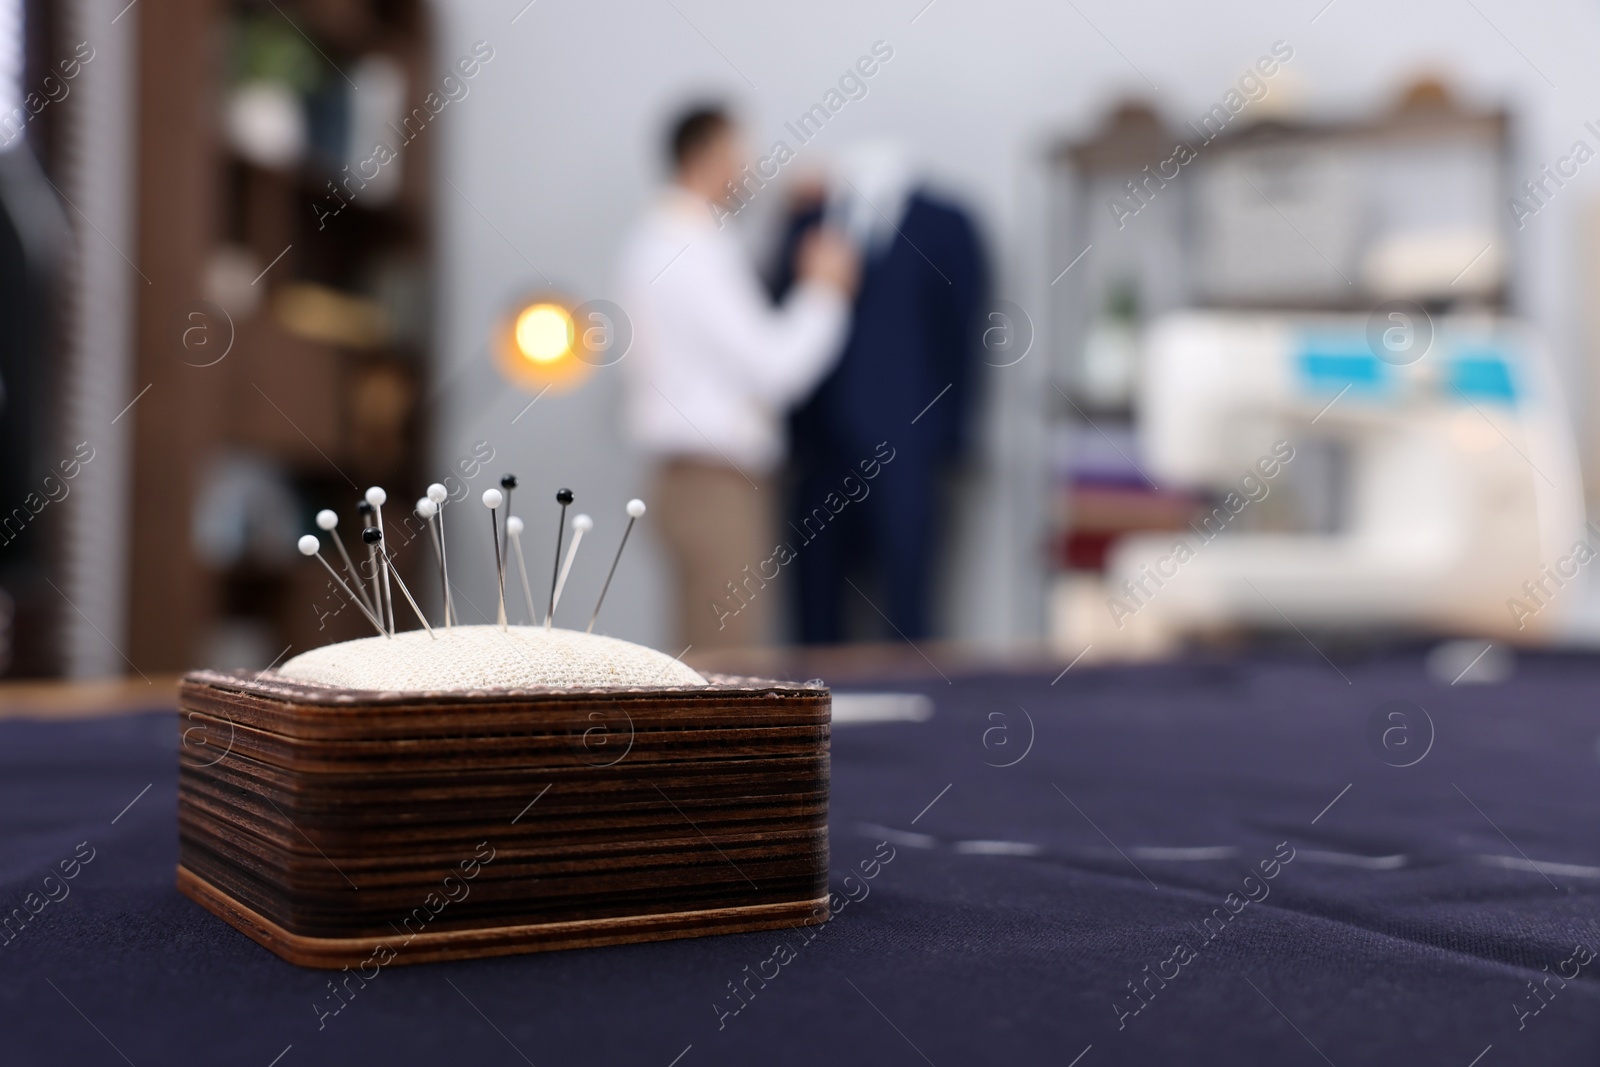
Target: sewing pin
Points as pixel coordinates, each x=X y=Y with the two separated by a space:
x=328 y=519
x=374 y=536
x=364 y=509
x=376 y=497
x=439 y=495
x=514 y=532
x=426 y=510
x=635 y=510
x=580 y=526
x=563 y=497
x=491 y=500
x=508 y=482
x=310 y=546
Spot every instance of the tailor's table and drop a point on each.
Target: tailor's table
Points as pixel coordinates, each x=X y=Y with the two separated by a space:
x=1264 y=860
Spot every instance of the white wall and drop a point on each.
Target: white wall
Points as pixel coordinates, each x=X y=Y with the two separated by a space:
x=99 y=165
x=556 y=147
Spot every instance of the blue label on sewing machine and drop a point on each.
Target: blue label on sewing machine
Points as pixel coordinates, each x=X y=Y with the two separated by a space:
x=1475 y=373
x=1480 y=374
x=1332 y=364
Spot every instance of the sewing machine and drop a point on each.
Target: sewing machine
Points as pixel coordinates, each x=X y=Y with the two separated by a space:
x=1459 y=483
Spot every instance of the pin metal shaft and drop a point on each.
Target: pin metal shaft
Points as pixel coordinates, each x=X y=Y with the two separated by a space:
x=614 y=561
x=357 y=601
x=420 y=617
x=499 y=565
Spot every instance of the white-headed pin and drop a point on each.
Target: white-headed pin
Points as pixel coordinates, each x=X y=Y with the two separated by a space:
x=377 y=497
x=310 y=546
x=514 y=533
x=328 y=520
x=438 y=494
x=636 y=510
x=491 y=500
x=581 y=525
x=426 y=511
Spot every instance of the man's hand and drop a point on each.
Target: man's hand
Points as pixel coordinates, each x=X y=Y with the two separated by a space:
x=829 y=258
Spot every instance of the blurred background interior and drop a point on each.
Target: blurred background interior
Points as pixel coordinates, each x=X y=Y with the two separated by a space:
x=1287 y=328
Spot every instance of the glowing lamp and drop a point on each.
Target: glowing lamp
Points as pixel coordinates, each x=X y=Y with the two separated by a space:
x=544 y=333
x=536 y=343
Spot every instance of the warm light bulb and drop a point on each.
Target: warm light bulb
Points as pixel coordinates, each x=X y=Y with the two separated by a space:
x=544 y=333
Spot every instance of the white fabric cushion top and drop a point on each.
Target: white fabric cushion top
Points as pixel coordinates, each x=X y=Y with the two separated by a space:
x=485 y=657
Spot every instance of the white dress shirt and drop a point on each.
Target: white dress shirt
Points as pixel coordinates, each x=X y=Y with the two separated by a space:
x=714 y=366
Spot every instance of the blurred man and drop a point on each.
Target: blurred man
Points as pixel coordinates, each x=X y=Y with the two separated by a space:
x=714 y=368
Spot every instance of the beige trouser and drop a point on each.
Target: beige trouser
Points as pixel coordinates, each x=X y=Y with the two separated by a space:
x=714 y=524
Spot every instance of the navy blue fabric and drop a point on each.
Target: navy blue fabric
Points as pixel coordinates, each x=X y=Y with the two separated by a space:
x=913 y=340
x=884 y=541
x=1018 y=904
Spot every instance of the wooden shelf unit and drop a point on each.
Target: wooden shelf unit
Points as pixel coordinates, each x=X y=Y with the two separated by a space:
x=332 y=417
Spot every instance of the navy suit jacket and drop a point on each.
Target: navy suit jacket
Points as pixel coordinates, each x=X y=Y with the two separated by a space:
x=913 y=333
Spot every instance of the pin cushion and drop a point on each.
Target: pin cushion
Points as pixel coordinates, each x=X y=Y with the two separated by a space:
x=485 y=791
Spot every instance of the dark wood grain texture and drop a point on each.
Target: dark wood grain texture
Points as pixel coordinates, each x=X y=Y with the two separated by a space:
x=324 y=823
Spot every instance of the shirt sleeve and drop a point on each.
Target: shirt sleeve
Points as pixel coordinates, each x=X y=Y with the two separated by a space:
x=777 y=354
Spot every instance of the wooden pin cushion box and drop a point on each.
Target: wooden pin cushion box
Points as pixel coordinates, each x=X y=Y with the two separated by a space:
x=340 y=827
